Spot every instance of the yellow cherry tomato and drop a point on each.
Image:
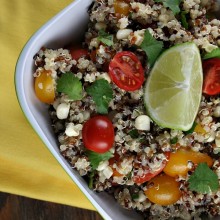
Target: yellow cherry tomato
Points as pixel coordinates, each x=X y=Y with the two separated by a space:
x=44 y=87
x=178 y=161
x=121 y=7
x=163 y=190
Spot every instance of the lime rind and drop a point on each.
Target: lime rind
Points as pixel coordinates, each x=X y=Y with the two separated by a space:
x=178 y=69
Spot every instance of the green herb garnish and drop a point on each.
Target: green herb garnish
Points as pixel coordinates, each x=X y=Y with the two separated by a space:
x=214 y=54
x=102 y=94
x=173 y=5
x=91 y=179
x=96 y=158
x=174 y=140
x=203 y=180
x=70 y=85
x=152 y=47
x=134 y=133
x=135 y=196
x=105 y=38
x=183 y=19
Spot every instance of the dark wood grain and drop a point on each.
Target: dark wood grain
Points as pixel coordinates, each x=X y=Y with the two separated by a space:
x=13 y=207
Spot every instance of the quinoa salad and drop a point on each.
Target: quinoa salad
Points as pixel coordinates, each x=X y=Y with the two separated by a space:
x=102 y=120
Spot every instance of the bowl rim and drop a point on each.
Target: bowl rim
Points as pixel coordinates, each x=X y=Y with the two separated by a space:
x=19 y=67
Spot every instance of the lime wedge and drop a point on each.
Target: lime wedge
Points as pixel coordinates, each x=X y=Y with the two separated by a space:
x=174 y=88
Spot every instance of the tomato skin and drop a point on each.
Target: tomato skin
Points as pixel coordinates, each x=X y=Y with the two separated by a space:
x=126 y=71
x=44 y=87
x=149 y=174
x=211 y=70
x=78 y=53
x=98 y=134
x=177 y=164
x=163 y=190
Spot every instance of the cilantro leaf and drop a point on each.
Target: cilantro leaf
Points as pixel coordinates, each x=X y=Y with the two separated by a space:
x=152 y=47
x=134 y=133
x=203 y=180
x=183 y=19
x=214 y=53
x=174 y=140
x=102 y=94
x=70 y=85
x=173 y=5
x=96 y=158
x=105 y=38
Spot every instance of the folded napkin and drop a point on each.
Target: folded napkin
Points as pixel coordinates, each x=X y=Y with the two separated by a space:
x=26 y=166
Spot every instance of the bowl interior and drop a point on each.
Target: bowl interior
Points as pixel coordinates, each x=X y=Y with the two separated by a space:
x=64 y=28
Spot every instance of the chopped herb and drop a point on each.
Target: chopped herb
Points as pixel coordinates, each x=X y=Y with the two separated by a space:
x=173 y=5
x=102 y=94
x=134 y=133
x=152 y=47
x=91 y=179
x=214 y=54
x=203 y=180
x=174 y=140
x=135 y=196
x=70 y=85
x=190 y=131
x=183 y=19
x=105 y=38
x=96 y=158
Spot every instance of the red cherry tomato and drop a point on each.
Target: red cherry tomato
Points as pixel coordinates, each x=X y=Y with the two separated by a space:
x=149 y=174
x=98 y=134
x=126 y=71
x=77 y=53
x=211 y=70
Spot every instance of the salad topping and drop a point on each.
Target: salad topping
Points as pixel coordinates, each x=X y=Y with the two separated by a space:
x=136 y=106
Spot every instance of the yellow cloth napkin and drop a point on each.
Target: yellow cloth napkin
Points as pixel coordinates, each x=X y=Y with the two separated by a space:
x=26 y=166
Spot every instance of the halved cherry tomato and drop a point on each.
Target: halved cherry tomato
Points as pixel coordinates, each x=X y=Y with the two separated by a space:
x=163 y=190
x=177 y=164
x=149 y=174
x=121 y=7
x=44 y=87
x=211 y=70
x=126 y=71
x=98 y=134
x=77 y=53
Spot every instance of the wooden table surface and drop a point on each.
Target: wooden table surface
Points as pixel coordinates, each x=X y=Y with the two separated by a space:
x=13 y=207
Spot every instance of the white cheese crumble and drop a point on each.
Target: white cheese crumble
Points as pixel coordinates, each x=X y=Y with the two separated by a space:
x=62 y=110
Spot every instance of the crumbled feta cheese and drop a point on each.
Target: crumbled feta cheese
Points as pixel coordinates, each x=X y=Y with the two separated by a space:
x=102 y=165
x=123 y=22
x=142 y=122
x=73 y=130
x=123 y=34
x=62 y=110
x=108 y=172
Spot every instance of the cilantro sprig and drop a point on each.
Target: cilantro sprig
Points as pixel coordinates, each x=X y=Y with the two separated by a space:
x=96 y=158
x=203 y=180
x=105 y=38
x=173 y=5
x=214 y=54
x=102 y=94
x=152 y=47
x=70 y=85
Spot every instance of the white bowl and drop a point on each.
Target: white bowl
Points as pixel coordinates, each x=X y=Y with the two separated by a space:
x=66 y=26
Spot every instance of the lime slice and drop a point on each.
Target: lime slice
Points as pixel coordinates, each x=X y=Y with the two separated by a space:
x=174 y=88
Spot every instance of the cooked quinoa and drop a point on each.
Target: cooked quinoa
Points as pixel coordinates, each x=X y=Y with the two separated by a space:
x=126 y=108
